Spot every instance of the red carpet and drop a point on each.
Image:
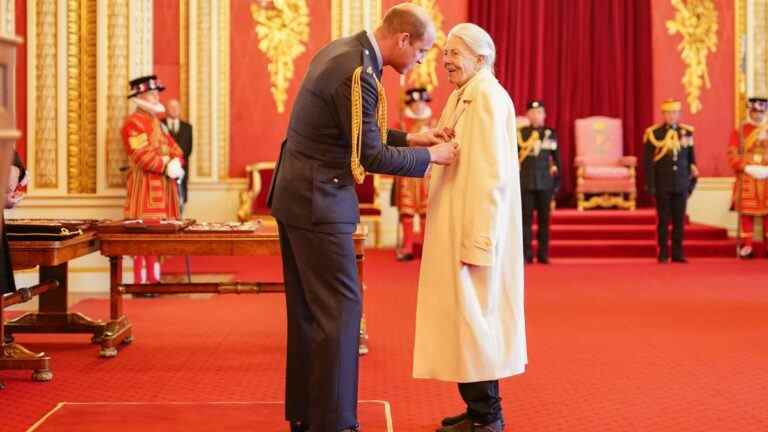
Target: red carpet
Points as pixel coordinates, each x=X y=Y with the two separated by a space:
x=195 y=417
x=615 y=345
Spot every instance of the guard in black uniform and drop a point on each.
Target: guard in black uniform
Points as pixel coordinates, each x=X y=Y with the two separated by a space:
x=539 y=172
x=670 y=169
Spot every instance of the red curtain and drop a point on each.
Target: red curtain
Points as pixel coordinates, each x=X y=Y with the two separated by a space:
x=581 y=57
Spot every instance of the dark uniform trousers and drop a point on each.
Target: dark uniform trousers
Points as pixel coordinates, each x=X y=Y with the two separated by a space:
x=539 y=200
x=483 y=401
x=671 y=207
x=324 y=308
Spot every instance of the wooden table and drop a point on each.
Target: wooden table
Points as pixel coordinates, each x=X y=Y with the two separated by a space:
x=263 y=241
x=53 y=314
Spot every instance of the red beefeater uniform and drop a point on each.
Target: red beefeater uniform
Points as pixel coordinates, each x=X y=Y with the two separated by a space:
x=750 y=195
x=149 y=145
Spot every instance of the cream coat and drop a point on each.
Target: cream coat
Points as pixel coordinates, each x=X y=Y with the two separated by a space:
x=470 y=323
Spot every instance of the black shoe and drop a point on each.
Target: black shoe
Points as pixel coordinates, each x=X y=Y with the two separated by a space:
x=680 y=260
x=454 y=420
x=662 y=259
x=543 y=260
x=405 y=256
x=450 y=421
x=467 y=425
x=529 y=260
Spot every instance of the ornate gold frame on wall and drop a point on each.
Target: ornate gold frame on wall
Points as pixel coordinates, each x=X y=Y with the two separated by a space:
x=751 y=53
x=740 y=60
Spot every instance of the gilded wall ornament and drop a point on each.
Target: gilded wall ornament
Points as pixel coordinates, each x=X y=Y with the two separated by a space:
x=697 y=22
x=282 y=27
x=425 y=74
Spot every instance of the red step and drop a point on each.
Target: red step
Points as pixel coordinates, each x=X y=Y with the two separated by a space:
x=603 y=217
x=630 y=232
x=636 y=248
x=627 y=234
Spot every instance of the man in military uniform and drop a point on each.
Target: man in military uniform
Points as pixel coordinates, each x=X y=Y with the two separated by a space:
x=539 y=168
x=155 y=165
x=181 y=132
x=670 y=168
x=336 y=133
x=410 y=194
x=748 y=155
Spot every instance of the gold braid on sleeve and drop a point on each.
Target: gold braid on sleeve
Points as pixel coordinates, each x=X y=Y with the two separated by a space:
x=358 y=171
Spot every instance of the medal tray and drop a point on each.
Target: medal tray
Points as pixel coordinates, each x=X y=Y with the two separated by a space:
x=47 y=226
x=141 y=226
x=223 y=227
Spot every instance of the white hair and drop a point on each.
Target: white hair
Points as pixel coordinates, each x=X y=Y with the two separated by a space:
x=477 y=39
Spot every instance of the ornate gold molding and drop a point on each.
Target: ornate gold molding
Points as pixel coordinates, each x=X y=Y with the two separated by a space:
x=740 y=61
x=282 y=27
x=425 y=74
x=46 y=102
x=223 y=83
x=697 y=22
x=351 y=16
x=202 y=121
x=607 y=200
x=117 y=90
x=81 y=96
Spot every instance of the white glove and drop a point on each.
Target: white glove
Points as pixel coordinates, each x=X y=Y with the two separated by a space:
x=756 y=171
x=174 y=169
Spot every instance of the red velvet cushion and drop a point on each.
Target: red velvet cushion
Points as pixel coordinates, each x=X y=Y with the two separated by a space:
x=366 y=192
x=260 y=202
x=366 y=211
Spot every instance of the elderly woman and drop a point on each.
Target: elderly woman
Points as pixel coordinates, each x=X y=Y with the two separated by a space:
x=470 y=327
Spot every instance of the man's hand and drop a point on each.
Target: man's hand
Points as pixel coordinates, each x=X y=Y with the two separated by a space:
x=444 y=154
x=553 y=171
x=694 y=171
x=174 y=169
x=430 y=137
x=12 y=199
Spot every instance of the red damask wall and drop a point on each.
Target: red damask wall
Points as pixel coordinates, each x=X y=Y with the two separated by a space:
x=715 y=121
x=166 y=44
x=257 y=128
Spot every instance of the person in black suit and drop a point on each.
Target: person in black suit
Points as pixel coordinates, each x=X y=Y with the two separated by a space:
x=181 y=131
x=16 y=180
x=334 y=136
x=670 y=172
x=539 y=168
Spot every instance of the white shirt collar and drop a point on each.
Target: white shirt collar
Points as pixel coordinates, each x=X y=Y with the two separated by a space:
x=376 y=49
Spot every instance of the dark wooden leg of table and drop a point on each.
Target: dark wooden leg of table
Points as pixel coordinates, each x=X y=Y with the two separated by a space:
x=16 y=357
x=118 y=329
x=363 y=349
x=53 y=313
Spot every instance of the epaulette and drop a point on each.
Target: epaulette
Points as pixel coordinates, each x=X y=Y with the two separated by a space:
x=689 y=128
x=650 y=129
